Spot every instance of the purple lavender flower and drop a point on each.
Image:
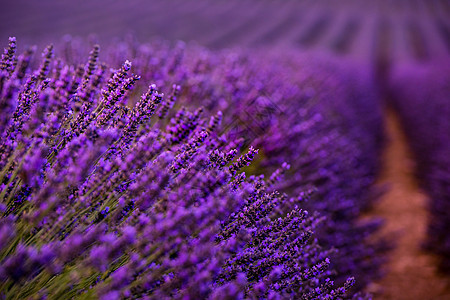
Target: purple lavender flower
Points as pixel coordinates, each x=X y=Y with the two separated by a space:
x=101 y=199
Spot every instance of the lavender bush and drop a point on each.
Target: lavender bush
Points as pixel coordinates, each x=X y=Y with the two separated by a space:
x=421 y=95
x=112 y=194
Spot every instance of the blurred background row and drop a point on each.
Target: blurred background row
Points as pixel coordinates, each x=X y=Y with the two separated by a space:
x=387 y=30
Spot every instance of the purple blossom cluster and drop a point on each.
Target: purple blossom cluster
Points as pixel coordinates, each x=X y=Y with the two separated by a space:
x=421 y=95
x=107 y=193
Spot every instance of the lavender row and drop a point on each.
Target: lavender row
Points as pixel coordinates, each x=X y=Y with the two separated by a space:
x=234 y=84
x=104 y=199
x=421 y=95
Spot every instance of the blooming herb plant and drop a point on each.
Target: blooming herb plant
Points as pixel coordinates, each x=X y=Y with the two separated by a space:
x=105 y=193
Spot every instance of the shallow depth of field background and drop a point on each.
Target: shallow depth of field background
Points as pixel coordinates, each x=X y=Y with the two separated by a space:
x=402 y=43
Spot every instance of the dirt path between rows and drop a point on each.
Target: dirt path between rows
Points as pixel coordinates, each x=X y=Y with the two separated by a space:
x=411 y=272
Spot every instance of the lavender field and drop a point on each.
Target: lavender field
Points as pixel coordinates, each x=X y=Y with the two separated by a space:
x=225 y=150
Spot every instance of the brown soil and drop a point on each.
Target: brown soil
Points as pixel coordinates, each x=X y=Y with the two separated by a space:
x=411 y=273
